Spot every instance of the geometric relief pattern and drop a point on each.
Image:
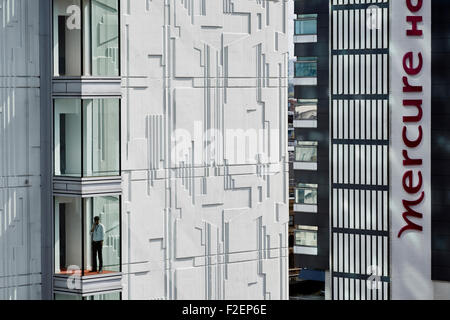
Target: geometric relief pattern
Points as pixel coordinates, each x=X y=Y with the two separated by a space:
x=211 y=223
x=20 y=215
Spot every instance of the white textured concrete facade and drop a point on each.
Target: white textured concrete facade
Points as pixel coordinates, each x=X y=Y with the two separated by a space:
x=20 y=214
x=203 y=230
x=212 y=226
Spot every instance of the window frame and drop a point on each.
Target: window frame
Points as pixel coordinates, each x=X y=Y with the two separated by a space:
x=81 y=176
x=306 y=18
x=83 y=19
x=119 y=196
x=308 y=230
x=304 y=61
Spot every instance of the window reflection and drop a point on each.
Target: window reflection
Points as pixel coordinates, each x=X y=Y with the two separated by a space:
x=86 y=37
x=87 y=137
x=306 y=236
x=306 y=193
x=306 y=151
x=306 y=24
x=74 y=219
x=306 y=67
x=306 y=109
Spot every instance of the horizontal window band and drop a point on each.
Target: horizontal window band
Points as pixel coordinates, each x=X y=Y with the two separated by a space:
x=358 y=52
x=363 y=232
x=360 y=187
x=357 y=276
x=360 y=97
x=358 y=6
x=366 y=142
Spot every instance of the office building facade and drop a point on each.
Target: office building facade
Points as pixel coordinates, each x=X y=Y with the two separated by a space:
x=311 y=156
x=387 y=188
x=132 y=111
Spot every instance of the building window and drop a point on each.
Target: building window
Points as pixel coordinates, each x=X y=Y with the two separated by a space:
x=306 y=151
x=86 y=38
x=74 y=219
x=306 y=236
x=306 y=24
x=306 y=67
x=306 y=193
x=306 y=109
x=87 y=137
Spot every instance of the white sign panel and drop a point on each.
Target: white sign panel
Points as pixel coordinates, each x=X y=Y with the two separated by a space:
x=410 y=149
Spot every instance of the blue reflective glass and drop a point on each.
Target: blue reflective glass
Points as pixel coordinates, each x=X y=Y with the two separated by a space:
x=306 y=69
x=304 y=27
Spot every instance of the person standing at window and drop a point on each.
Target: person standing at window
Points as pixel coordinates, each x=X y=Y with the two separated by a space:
x=98 y=236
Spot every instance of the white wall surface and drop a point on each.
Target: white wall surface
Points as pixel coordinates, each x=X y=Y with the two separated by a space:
x=20 y=251
x=210 y=227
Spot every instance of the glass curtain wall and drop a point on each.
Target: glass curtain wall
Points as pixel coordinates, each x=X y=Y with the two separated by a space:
x=306 y=193
x=306 y=236
x=306 y=109
x=306 y=67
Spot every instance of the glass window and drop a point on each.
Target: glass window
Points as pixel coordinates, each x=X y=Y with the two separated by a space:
x=105 y=37
x=306 y=24
x=306 y=151
x=94 y=151
x=306 y=109
x=108 y=210
x=306 y=193
x=86 y=37
x=74 y=221
x=306 y=67
x=67 y=137
x=101 y=134
x=306 y=236
x=68 y=229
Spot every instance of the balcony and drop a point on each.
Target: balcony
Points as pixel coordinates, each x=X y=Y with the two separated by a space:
x=87 y=285
x=87 y=146
x=306 y=198
x=306 y=155
x=305 y=28
x=77 y=266
x=305 y=114
x=306 y=240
